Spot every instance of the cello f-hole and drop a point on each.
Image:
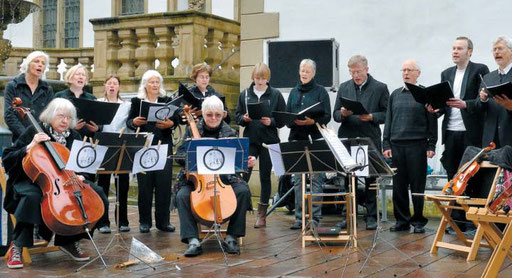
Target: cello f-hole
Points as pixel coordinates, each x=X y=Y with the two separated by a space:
x=57 y=193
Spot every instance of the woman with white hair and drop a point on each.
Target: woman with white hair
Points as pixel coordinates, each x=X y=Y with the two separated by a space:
x=151 y=89
x=23 y=197
x=76 y=78
x=33 y=91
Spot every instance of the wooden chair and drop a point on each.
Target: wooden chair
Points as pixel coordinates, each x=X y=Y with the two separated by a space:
x=39 y=247
x=445 y=204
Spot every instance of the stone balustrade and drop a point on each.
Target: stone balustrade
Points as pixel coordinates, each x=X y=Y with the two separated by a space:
x=70 y=57
x=171 y=43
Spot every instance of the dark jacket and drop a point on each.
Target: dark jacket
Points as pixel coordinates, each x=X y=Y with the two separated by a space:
x=472 y=117
x=211 y=92
x=374 y=97
x=67 y=94
x=165 y=135
x=408 y=121
x=37 y=102
x=498 y=120
x=256 y=131
x=13 y=158
x=301 y=97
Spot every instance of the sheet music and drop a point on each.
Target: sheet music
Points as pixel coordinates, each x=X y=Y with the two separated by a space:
x=339 y=150
x=85 y=158
x=274 y=151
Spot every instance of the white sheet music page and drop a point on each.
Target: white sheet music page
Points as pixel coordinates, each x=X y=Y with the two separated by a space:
x=339 y=150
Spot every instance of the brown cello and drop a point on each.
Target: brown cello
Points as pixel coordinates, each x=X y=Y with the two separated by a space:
x=69 y=206
x=207 y=205
x=459 y=182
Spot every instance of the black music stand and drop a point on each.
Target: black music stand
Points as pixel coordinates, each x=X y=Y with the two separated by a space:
x=378 y=168
x=241 y=164
x=118 y=160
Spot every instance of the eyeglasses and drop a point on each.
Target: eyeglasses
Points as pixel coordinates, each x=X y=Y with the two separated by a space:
x=356 y=72
x=62 y=117
x=214 y=115
x=408 y=70
x=154 y=82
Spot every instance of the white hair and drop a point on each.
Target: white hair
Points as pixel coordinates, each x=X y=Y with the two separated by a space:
x=144 y=82
x=212 y=103
x=50 y=112
x=308 y=62
x=504 y=39
x=34 y=54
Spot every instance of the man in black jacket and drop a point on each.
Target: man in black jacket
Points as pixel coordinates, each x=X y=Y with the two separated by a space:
x=462 y=123
x=498 y=110
x=410 y=136
x=373 y=95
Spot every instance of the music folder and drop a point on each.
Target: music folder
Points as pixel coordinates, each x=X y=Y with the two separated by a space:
x=498 y=90
x=99 y=112
x=258 y=110
x=435 y=95
x=191 y=99
x=158 y=111
x=287 y=118
x=355 y=106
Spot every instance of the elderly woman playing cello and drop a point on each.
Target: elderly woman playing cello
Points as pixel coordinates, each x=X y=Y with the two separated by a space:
x=23 y=197
x=212 y=126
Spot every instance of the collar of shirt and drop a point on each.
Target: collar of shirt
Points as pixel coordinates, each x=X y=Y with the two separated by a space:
x=404 y=88
x=505 y=70
x=361 y=86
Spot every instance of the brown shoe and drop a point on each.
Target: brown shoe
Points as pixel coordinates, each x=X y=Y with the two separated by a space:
x=261 y=218
x=75 y=252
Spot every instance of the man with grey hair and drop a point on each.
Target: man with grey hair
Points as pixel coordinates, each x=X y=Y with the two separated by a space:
x=498 y=109
x=410 y=136
x=305 y=94
x=373 y=95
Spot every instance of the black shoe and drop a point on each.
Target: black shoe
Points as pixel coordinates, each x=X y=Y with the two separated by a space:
x=104 y=229
x=449 y=231
x=169 y=228
x=398 y=228
x=296 y=226
x=124 y=229
x=419 y=229
x=371 y=223
x=144 y=228
x=342 y=224
x=231 y=247
x=193 y=250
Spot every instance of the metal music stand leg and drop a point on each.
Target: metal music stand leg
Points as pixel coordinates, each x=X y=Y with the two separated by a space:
x=376 y=238
x=117 y=237
x=216 y=225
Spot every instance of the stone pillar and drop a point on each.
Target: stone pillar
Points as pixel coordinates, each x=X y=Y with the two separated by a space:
x=145 y=53
x=190 y=48
x=165 y=51
x=52 y=69
x=113 y=47
x=214 y=50
x=232 y=65
x=126 y=54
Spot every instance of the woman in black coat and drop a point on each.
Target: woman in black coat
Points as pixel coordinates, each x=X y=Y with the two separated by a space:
x=23 y=197
x=151 y=89
x=260 y=131
x=34 y=92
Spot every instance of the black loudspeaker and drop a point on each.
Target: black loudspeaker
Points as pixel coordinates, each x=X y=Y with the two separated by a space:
x=284 y=58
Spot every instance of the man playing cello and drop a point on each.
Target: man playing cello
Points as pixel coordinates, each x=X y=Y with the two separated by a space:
x=212 y=126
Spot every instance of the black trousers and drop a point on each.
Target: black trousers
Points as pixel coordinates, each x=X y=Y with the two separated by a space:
x=188 y=224
x=370 y=196
x=28 y=213
x=265 y=165
x=122 y=191
x=410 y=159
x=455 y=144
x=159 y=184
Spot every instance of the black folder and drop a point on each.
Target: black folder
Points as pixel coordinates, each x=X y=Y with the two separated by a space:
x=258 y=110
x=287 y=118
x=499 y=90
x=435 y=95
x=99 y=112
x=355 y=106
x=191 y=99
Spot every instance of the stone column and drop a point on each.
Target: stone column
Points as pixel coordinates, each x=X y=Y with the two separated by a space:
x=191 y=46
x=113 y=47
x=165 y=51
x=52 y=69
x=214 y=50
x=232 y=65
x=126 y=55
x=145 y=53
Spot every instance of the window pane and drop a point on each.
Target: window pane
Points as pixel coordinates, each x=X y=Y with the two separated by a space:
x=72 y=29
x=49 y=23
x=132 y=7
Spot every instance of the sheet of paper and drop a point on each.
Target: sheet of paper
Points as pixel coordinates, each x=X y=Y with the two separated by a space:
x=150 y=159
x=339 y=150
x=84 y=158
x=277 y=159
x=360 y=155
x=159 y=113
x=215 y=160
